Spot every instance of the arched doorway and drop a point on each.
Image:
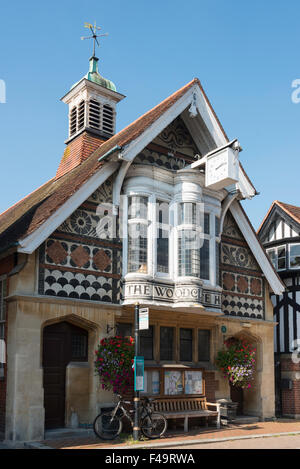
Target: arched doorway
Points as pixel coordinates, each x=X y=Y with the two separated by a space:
x=248 y=400
x=62 y=343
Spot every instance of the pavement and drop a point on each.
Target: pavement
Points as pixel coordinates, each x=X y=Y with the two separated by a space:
x=178 y=439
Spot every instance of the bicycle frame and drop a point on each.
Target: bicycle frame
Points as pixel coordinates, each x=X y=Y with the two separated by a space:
x=145 y=411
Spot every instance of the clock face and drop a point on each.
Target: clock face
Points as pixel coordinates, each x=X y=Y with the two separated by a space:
x=217 y=168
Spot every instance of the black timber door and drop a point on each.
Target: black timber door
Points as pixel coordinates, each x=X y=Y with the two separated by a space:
x=62 y=342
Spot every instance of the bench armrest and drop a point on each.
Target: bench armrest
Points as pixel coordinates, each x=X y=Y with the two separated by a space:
x=214 y=404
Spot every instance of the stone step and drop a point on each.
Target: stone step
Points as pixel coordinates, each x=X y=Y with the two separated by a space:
x=240 y=419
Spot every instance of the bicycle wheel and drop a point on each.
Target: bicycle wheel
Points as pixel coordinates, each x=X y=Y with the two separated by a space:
x=154 y=425
x=106 y=426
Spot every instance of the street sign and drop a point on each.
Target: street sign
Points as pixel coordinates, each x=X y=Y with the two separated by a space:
x=144 y=319
x=139 y=373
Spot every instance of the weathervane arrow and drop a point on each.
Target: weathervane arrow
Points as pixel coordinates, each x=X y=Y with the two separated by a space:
x=94 y=29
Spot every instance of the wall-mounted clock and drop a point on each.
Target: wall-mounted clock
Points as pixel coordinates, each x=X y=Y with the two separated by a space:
x=221 y=169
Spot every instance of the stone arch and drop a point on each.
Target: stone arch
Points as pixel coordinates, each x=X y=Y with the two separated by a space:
x=90 y=326
x=73 y=319
x=255 y=341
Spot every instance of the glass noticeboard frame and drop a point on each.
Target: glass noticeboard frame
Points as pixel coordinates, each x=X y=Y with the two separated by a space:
x=193 y=382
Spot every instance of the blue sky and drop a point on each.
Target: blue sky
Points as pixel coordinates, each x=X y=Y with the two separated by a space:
x=246 y=54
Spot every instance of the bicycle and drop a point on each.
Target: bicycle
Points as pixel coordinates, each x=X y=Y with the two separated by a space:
x=108 y=424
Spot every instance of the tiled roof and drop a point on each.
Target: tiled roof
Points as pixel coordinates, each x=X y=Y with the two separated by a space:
x=291 y=210
x=43 y=202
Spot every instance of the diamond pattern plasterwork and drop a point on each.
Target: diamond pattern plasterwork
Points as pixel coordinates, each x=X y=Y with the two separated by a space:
x=57 y=252
x=102 y=260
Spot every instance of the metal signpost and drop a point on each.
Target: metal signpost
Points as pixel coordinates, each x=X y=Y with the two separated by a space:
x=136 y=427
x=141 y=322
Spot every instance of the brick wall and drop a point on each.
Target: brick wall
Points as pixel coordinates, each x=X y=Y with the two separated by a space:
x=77 y=151
x=291 y=397
x=211 y=386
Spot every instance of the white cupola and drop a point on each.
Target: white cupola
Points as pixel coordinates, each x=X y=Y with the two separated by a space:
x=92 y=105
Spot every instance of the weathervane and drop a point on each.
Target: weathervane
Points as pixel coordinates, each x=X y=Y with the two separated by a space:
x=94 y=36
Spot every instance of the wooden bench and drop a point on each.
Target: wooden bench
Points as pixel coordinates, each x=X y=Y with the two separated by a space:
x=186 y=408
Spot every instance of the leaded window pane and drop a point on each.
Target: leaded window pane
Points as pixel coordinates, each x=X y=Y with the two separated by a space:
x=206 y=223
x=124 y=329
x=188 y=253
x=146 y=343
x=281 y=258
x=79 y=346
x=163 y=232
x=204 y=260
x=273 y=258
x=137 y=248
x=138 y=207
x=186 y=345
x=203 y=345
x=137 y=233
x=166 y=343
x=187 y=213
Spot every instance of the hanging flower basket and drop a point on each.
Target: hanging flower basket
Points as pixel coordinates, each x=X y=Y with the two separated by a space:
x=113 y=363
x=237 y=362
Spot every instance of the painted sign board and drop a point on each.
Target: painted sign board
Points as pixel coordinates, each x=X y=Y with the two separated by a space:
x=139 y=373
x=143 y=319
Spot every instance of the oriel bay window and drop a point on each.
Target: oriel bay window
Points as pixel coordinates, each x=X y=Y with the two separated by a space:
x=168 y=239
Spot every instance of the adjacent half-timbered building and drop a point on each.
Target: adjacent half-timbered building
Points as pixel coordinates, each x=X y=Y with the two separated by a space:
x=151 y=214
x=280 y=235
